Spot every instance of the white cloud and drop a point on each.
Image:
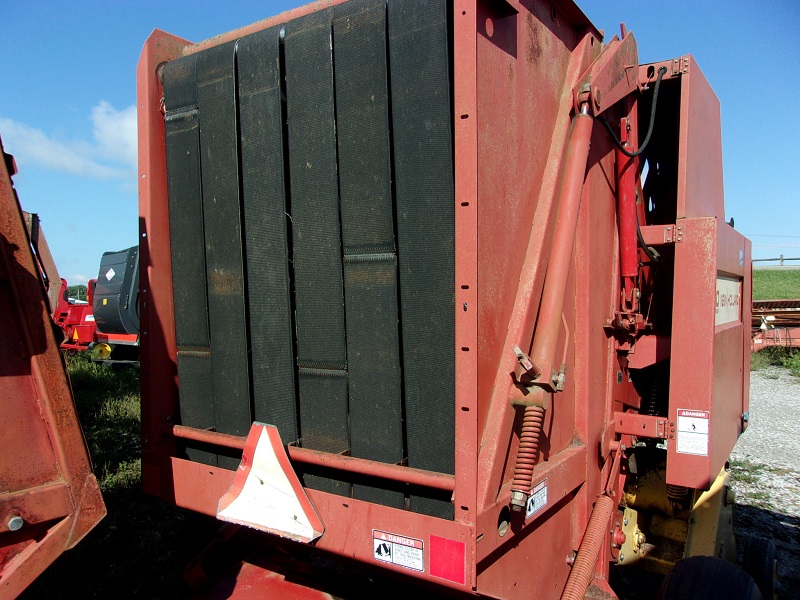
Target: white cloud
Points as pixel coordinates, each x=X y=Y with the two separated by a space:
x=112 y=155
x=115 y=132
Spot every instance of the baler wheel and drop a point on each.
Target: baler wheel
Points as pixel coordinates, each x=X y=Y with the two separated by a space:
x=708 y=578
x=760 y=560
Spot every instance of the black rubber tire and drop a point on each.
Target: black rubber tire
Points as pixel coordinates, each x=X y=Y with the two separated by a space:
x=760 y=556
x=708 y=578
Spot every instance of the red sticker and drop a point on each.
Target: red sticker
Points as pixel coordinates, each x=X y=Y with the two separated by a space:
x=447 y=559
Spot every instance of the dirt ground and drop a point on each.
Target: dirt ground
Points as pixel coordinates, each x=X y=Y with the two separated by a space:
x=765 y=470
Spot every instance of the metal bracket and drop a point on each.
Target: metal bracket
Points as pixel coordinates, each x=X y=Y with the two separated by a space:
x=646 y=426
x=659 y=235
x=613 y=75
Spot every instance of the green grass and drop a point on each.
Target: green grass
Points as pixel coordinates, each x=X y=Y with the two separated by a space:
x=775 y=356
x=108 y=404
x=140 y=548
x=776 y=284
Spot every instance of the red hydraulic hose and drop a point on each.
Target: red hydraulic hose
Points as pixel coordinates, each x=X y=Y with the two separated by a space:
x=583 y=568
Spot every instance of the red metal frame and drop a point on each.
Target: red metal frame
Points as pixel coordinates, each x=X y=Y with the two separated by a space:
x=49 y=498
x=518 y=70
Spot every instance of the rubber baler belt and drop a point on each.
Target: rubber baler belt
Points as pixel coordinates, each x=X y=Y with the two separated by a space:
x=317 y=245
x=187 y=249
x=266 y=236
x=368 y=238
x=366 y=216
x=216 y=95
x=423 y=153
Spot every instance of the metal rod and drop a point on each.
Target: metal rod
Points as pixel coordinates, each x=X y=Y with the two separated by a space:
x=338 y=462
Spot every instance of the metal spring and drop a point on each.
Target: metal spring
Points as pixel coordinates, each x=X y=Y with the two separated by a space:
x=582 y=571
x=532 y=422
x=677 y=493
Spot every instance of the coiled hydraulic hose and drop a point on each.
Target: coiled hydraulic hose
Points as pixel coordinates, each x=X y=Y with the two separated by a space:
x=532 y=422
x=583 y=568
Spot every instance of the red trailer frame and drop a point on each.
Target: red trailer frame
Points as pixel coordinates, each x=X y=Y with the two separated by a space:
x=49 y=497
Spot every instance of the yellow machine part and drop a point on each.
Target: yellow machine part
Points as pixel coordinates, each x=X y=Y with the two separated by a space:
x=101 y=351
x=660 y=530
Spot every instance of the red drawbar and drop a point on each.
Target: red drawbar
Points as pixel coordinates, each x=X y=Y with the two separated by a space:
x=448 y=559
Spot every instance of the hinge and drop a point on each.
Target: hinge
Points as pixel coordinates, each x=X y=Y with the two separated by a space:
x=644 y=426
x=680 y=65
x=673 y=234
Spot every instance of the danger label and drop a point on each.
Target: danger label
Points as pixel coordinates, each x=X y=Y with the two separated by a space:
x=693 y=428
x=537 y=500
x=398 y=550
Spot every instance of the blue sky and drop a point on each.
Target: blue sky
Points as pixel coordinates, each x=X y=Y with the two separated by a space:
x=69 y=87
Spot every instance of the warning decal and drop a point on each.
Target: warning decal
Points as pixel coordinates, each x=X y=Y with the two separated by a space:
x=693 y=427
x=537 y=500
x=398 y=550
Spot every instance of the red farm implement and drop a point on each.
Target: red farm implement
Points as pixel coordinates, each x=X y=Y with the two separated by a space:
x=464 y=258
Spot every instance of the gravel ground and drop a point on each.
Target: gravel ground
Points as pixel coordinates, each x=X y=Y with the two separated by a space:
x=765 y=469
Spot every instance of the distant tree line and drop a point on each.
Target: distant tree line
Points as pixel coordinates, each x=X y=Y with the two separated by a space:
x=77 y=291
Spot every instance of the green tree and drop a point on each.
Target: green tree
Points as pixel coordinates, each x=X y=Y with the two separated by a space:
x=77 y=291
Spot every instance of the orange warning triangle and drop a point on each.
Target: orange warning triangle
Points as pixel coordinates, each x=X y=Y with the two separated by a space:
x=75 y=336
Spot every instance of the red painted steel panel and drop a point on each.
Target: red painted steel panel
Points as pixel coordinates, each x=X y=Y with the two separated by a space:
x=700 y=190
x=496 y=415
x=348 y=522
x=158 y=379
x=709 y=370
x=49 y=498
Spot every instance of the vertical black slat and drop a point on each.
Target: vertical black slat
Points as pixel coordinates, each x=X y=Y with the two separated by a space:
x=374 y=366
x=423 y=153
x=196 y=380
x=216 y=91
x=319 y=303
x=266 y=240
x=323 y=413
x=187 y=249
x=362 y=124
x=370 y=263
x=314 y=191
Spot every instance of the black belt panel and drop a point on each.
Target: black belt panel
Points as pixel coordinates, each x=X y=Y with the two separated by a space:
x=317 y=245
x=314 y=193
x=423 y=153
x=368 y=238
x=216 y=93
x=185 y=203
x=266 y=235
x=197 y=403
x=310 y=175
